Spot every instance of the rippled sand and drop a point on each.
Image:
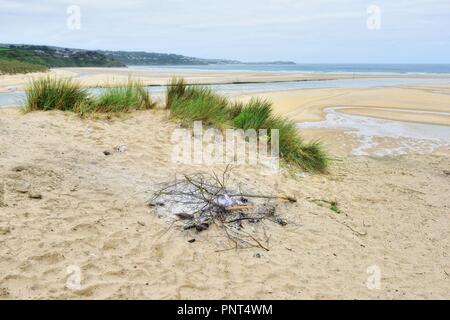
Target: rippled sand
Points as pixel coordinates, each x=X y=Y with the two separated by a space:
x=93 y=216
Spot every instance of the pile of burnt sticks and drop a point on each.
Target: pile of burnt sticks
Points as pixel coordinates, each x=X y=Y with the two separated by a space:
x=200 y=200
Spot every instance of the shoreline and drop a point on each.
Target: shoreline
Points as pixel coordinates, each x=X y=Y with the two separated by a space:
x=300 y=104
x=106 y=77
x=412 y=103
x=308 y=105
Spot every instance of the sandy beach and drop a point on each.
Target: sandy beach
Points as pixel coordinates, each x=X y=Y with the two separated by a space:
x=92 y=210
x=257 y=153
x=400 y=102
x=93 y=214
x=104 y=77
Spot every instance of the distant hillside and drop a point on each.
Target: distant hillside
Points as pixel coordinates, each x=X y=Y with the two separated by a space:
x=141 y=58
x=28 y=58
x=150 y=58
x=11 y=66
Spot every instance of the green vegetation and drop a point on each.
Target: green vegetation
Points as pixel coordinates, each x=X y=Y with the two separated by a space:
x=332 y=205
x=311 y=156
x=197 y=103
x=55 y=94
x=176 y=89
x=125 y=98
x=153 y=58
x=235 y=109
x=27 y=58
x=53 y=57
x=186 y=104
x=15 y=66
x=254 y=115
x=66 y=95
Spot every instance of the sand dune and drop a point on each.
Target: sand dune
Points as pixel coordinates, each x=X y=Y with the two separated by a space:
x=93 y=215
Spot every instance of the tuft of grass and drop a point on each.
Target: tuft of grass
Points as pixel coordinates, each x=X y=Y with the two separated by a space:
x=197 y=103
x=254 y=114
x=66 y=95
x=335 y=207
x=313 y=156
x=235 y=108
x=176 y=89
x=332 y=205
x=310 y=156
x=54 y=94
x=124 y=98
x=200 y=104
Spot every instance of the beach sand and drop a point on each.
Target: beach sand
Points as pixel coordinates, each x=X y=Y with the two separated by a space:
x=19 y=81
x=104 y=77
x=93 y=216
x=402 y=102
x=93 y=212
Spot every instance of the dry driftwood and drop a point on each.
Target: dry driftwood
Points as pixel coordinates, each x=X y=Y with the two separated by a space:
x=202 y=200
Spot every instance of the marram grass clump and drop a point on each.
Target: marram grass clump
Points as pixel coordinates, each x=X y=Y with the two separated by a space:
x=67 y=95
x=200 y=104
x=257 y=114
x=54 y=94
x=124 y=98
x=189 y=103
x=310 y=156
x=235 y=108
x=176 y=89
x=254 y=114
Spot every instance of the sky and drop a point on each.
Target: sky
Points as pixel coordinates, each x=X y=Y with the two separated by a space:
x=304 y=31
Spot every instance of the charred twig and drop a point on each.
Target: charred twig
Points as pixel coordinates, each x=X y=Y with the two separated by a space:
x=202 y=200
x=280 y=197
x=237 y=208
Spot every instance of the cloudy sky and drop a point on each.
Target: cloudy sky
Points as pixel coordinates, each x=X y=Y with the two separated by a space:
x=319 y=31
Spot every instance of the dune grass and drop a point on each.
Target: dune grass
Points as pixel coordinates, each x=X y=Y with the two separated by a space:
x=197 y=103
x=54 y=94
x=176 y=89
x=254 y=114
x=186 y=104
x=311 y=156
x=235 y=108
x=124 y=98
x=257 y=114
x=67 y=95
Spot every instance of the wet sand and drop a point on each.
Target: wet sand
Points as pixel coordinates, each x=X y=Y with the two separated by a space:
x=417 y=103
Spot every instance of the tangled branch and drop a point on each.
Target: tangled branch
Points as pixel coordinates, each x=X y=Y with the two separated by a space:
x=201 y=200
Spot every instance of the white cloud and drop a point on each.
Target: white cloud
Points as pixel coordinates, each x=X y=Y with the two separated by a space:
x=300 y=30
